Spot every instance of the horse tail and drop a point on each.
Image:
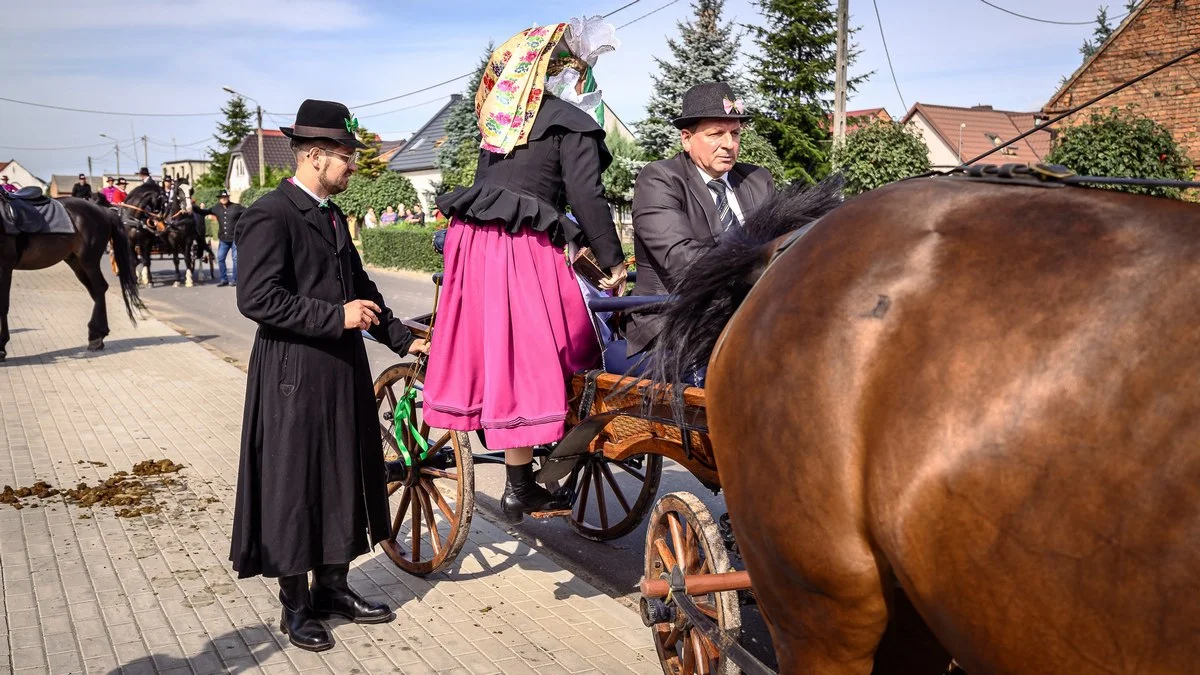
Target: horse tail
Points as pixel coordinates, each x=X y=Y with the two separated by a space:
x=712 y=288
x=123 y=257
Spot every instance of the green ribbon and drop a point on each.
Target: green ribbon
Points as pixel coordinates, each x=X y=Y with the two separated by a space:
x=402 y=418
x=352 y=124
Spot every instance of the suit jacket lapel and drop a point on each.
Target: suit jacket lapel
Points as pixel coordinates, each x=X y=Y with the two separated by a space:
x=699 y=192
x=748 y=198
x=312 y=215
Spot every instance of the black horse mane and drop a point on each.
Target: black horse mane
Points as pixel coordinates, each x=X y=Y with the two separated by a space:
x=145 y=197
x=711 y=289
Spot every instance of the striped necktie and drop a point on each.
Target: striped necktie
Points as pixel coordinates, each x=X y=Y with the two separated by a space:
x=724 y=211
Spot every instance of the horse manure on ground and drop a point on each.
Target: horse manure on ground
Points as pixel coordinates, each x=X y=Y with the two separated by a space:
x=121 y=491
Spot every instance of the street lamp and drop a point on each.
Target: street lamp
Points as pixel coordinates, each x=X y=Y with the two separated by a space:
x=262 y=169
x=117 y=147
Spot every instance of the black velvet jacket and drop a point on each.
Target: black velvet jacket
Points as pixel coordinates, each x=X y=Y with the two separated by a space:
x=532 y=186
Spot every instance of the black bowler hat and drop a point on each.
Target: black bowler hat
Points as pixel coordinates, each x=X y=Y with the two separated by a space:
x=82 y=176
x=329 y=120
x=710 y=101
x=222 y=193
x=122 y=181
x=109 y=179
x=168 y=179
x=143 y=171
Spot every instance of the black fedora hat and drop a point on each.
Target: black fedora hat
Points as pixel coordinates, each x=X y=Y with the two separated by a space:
x=222 y=193
x=709 y=101
x=328 y=120
x=143 y=171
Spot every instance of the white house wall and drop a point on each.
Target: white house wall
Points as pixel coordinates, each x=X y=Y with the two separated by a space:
x=239 y=177
x=940 y=154
x=20 y=176
x=423 y=182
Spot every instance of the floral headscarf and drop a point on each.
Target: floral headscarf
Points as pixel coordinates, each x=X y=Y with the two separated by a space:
x=510 y=92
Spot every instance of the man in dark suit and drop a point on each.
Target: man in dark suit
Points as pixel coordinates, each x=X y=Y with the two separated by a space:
x=227 y=214
x=82 y=189
x=312 y=485
x=682 y=205
x=144 y=173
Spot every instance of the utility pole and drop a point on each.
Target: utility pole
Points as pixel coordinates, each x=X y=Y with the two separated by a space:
x=262 y=169
x=89 y=167
x=174 y=149
x=145 y=153
x=839 y=93
x=117 y=150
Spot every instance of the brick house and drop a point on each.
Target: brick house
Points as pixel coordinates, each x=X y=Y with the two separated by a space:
x=1154 y=33
x=955 y=134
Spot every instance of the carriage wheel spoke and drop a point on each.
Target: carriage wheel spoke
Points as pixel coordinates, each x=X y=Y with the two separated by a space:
x=435 y=537
x=600 y=505
x=442 y=504
x=391 y=397
x=438 y=473
x=585 y=488
x=664 y=552
x=632 y=471
x=699 y=653
x=677 y=539
x=687 y=655
x=399 y=520
x=707 y=608
x=693 y=550
x=612 y=482
x=416 y=530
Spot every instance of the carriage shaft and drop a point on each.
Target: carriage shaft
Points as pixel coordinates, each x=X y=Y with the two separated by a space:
x=698 y=584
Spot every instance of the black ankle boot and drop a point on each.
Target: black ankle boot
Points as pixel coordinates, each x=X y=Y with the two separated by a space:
x=523 y=495
x=298 y=621
x=331 y=594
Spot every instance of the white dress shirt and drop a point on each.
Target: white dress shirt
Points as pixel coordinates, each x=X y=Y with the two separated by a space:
x=733 y=200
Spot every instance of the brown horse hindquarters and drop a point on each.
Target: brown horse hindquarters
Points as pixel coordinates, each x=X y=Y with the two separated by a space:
x=991 y=393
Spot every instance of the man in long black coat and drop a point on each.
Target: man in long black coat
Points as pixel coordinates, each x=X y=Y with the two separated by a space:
x=312 y=492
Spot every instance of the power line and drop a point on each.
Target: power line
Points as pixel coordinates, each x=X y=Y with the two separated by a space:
x=407 y=107
x=106 y=112
x=888 y=54
x=1057 y=23
x=466 y=75
x=652 y=12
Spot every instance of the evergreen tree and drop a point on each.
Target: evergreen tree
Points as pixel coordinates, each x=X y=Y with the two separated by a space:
x=1099 y=35
x=229 y=134
x=794 y=76
x=369 y=163
x=459 y=154
x=706 y=51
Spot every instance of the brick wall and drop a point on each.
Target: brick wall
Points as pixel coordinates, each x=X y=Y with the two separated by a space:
x=1163 y=30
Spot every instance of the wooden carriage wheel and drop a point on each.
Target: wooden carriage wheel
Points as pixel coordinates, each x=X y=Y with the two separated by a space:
x=433 y=504
x=603 y=509
x=682 y=531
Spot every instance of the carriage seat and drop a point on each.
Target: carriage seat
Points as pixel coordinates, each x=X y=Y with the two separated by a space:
x=31 y=212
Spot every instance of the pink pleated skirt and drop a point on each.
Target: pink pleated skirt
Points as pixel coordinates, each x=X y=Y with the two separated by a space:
x=511 y=328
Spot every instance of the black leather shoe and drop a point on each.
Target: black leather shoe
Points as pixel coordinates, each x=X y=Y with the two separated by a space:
x=222 y=284
x=331 y=594
x=298 y=621
x=523 y=495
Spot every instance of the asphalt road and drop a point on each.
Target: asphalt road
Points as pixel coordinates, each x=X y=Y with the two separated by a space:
x=209 y=315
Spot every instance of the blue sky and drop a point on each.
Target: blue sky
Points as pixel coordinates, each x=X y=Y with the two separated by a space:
x=173 y=56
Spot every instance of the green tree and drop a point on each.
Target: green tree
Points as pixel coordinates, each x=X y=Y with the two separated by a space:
x=794 y=75
x=271 y=177
x=458 y=156
x=756 y=149
x=230 y=133
x=369 y=163
x=1122 y=142
x=706 y=51
x=879 y=153
x=389 y=189
x=619 y=177
x=1103 y=29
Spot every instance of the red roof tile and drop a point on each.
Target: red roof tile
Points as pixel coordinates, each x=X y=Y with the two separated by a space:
x=983 y=127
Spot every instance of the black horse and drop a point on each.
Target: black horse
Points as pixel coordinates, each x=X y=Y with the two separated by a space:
x=94 y=227
x=142 y=212
x=179 y=233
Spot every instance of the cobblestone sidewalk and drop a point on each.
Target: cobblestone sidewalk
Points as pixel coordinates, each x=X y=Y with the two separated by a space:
x=87 y=591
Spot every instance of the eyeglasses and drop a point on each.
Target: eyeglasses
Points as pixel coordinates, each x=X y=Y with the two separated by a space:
x=352 y=158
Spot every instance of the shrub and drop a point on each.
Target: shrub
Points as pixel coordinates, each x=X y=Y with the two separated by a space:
x=402 y=247
x=389 y=189
x=1125 y=143
x=879 y=153
x=250 y=194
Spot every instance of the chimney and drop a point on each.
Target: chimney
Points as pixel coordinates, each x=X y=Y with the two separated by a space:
x=981 y=107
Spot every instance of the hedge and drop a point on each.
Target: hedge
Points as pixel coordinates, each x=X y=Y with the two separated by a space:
x=401 y=246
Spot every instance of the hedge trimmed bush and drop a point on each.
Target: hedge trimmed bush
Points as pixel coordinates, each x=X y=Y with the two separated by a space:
x=879 y=153
x=402 y=247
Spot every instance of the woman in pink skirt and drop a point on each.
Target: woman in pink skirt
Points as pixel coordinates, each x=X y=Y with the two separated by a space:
x=512 y=325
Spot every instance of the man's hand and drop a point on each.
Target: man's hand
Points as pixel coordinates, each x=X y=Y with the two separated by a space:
x=361 y=314
x=616 y=277
x=419 y=347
